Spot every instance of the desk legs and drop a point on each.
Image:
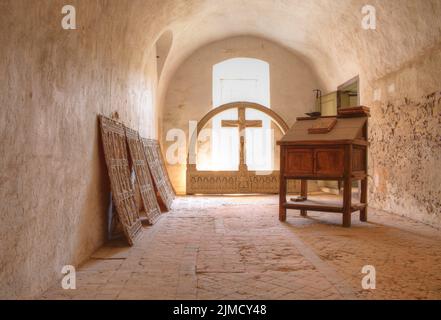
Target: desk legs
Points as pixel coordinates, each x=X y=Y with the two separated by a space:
x=282 y=199
x=304 y=193
x=363 y=199
x=347 y=197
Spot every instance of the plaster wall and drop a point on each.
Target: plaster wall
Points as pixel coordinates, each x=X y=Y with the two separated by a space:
x=189 y=96
x=53 y=182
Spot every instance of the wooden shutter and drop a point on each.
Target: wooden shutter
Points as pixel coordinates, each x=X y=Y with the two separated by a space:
x=158 y=171
x=115 y=151
x=143 y=178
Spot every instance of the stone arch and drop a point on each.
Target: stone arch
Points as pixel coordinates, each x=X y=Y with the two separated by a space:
x=277 y=119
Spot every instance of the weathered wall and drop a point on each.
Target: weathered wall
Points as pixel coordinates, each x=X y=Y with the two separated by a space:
x=53 y=183
x=189 y=96
x=405 y=136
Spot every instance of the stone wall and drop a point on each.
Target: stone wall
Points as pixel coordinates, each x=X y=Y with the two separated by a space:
x=405 y=137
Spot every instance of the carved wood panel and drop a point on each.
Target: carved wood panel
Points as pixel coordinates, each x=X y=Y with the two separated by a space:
x=143 y=177
x=158 y=171
x=123 y=195
x=170 y=188
x=235 y=182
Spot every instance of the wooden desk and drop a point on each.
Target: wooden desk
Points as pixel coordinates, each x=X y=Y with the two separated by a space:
x=340 y=155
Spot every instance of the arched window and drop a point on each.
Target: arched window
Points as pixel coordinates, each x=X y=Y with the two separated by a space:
x=248 y=80
x=241 y=79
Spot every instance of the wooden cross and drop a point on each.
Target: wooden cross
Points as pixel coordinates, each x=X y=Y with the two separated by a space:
x=242 y=123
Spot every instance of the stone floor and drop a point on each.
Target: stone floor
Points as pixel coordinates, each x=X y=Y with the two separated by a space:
x=236 y=248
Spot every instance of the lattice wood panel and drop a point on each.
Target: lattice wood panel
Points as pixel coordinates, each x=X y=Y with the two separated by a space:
x=115 y=151
x=143 y=177
x=165 y=172
x=159 y=173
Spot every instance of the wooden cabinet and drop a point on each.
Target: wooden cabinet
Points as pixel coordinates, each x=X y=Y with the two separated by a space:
x=340 y=154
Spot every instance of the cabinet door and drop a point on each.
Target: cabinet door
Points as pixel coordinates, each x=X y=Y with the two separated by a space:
x=299 y=161
x=329 y=162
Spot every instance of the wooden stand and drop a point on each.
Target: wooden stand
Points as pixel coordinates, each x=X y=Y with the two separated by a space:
x=340 y=155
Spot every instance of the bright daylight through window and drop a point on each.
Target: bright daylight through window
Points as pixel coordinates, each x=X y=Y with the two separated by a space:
x=241 y=79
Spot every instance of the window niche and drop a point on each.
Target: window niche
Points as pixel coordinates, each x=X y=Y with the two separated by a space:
x=246 y=80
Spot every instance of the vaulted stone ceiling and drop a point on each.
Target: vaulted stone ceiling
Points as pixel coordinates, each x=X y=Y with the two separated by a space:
x=326 y=33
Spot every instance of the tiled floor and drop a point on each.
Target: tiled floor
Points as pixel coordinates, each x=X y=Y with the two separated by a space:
x=236 y=248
